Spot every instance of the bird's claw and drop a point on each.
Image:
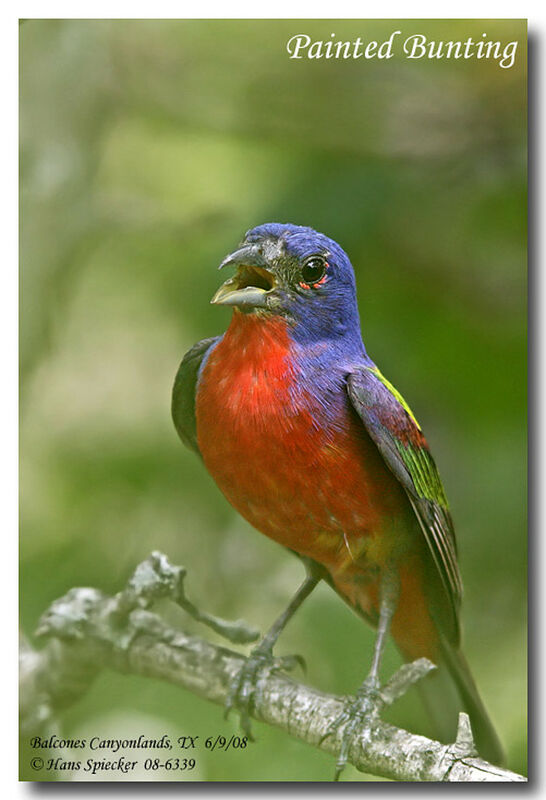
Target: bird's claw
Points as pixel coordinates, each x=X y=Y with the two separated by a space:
x=357 y=720
x=246 y=684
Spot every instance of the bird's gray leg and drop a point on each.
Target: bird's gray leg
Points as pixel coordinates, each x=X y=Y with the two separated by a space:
x=243 y=687
x=388 y=600
x=359 y=714
x=268 y=641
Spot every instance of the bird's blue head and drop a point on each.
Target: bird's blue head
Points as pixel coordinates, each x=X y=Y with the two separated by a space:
x=297 y=273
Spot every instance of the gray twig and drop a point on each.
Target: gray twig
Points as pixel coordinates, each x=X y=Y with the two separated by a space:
x=85 y=631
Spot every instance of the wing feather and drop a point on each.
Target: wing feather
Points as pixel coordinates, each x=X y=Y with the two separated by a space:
x=183 y=395
x=397 y=434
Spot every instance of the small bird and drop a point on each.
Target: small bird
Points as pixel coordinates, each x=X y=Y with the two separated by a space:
x=314 y=447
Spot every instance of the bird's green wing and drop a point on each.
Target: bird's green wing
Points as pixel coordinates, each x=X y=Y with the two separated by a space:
x=184 y=389
x=397 y=434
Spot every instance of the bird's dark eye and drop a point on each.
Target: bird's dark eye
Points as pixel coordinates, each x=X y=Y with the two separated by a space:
x=313 y=269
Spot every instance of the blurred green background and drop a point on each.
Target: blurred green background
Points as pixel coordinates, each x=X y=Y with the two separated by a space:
x=148 y=148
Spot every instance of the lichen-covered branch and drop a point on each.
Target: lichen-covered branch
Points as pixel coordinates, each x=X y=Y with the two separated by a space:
x=86 y=631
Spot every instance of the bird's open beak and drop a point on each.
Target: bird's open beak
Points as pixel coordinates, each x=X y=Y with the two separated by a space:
x=251 y=283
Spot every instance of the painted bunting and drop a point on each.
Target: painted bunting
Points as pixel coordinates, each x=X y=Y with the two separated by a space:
x=316 y=449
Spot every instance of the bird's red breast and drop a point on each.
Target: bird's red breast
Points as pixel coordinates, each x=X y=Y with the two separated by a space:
x=306 y=475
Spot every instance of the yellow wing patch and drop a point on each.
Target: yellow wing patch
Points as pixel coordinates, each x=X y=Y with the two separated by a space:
x=394 y=392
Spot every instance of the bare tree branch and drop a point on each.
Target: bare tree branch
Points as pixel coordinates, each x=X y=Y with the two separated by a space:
x=86 y=631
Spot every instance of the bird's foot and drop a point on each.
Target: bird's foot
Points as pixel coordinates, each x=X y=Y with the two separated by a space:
x=246 y=685
x=362 y=712
x=357 y=719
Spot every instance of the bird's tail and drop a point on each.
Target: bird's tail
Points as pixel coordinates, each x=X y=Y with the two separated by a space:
x=451 y=689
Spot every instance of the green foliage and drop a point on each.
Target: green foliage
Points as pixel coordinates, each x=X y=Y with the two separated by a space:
x=147 y=149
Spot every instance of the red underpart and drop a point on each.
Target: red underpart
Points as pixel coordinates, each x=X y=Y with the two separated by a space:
x=319 y=489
